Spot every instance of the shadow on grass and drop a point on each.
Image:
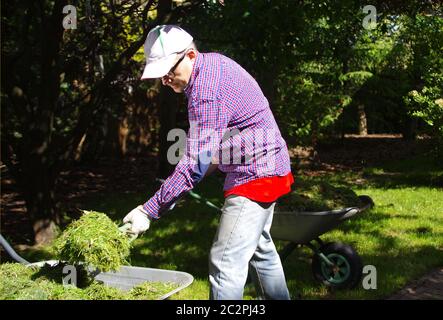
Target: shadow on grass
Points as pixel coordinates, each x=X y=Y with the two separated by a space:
x=418 y=171
x=392 y=180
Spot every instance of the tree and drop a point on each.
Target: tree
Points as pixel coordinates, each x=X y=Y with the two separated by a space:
x=56 y=86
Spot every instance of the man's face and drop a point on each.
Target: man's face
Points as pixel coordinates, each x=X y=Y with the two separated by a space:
x=180 y=74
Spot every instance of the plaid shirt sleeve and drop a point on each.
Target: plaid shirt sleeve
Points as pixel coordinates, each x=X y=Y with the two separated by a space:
x=208 y=120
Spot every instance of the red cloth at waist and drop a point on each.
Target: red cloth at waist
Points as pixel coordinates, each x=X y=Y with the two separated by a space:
x=267 y=189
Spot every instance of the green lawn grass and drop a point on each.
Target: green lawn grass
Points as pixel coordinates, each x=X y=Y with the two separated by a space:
x=402 y=236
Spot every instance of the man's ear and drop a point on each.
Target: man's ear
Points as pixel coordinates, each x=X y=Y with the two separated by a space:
x=192 y=54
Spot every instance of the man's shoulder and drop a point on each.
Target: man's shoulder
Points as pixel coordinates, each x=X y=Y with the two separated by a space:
x=215 y=72
x=208 y=81
x=214 y=55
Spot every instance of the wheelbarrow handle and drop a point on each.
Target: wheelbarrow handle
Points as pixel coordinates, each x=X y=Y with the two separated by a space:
x=203 y=200
x=14 y=255
x=197 y=197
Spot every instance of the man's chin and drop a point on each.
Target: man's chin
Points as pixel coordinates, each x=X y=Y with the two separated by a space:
x=177 y=89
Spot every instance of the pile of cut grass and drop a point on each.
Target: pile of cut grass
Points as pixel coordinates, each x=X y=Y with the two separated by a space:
x=20 y=282
x=317 y=196
x=94 y=240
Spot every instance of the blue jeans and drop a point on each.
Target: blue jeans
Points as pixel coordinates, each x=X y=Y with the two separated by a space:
x=243 y=242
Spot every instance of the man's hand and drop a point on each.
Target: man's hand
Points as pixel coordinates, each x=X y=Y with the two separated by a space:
x=139 y=220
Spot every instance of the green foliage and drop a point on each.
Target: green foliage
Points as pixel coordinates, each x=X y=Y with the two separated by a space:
x=316 y=63
x=95 y=240
x=358 y=78
x=425 y=101
x=428 y=105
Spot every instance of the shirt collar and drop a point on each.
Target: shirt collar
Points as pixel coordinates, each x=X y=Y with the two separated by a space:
x=195 y=71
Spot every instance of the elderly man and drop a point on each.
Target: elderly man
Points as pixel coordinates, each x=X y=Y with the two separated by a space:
x=223 y=98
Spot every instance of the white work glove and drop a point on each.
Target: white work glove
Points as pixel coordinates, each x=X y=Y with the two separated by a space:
x=139 y=220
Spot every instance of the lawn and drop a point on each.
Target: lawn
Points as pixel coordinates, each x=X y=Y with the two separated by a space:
x=402 y=236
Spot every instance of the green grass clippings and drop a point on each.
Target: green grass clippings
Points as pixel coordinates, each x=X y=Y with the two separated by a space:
x=95 y=240
x=19 y=282
x=151 y=290
x=318 y=196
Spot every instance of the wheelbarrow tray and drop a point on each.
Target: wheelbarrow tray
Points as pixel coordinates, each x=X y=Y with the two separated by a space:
x=303 y=227
x=128 y=277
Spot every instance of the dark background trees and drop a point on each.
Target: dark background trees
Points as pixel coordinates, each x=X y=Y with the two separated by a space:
x=71 y=96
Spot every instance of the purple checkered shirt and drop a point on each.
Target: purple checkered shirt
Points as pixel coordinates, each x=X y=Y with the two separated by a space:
x=230 y=120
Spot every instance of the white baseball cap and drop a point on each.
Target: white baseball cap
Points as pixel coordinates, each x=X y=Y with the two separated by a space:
x=162 y=45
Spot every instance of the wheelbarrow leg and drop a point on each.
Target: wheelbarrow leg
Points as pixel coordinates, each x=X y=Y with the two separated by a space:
x=291 y=246
x=287 y=250
x=319 y=253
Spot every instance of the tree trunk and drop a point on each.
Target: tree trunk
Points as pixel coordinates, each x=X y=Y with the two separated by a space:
x=38 y=163
x=409 y=128
x=362 y=121
x=313 y=157
x=38 y=189
x=123 y=134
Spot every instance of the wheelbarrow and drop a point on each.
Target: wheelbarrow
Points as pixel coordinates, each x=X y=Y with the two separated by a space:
x=124 y=279
x=334 y=264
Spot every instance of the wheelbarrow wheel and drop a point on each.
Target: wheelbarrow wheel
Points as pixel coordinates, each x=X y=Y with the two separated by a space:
x=346 y=271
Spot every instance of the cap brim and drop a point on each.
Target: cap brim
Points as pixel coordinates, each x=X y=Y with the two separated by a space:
x=158 y=68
